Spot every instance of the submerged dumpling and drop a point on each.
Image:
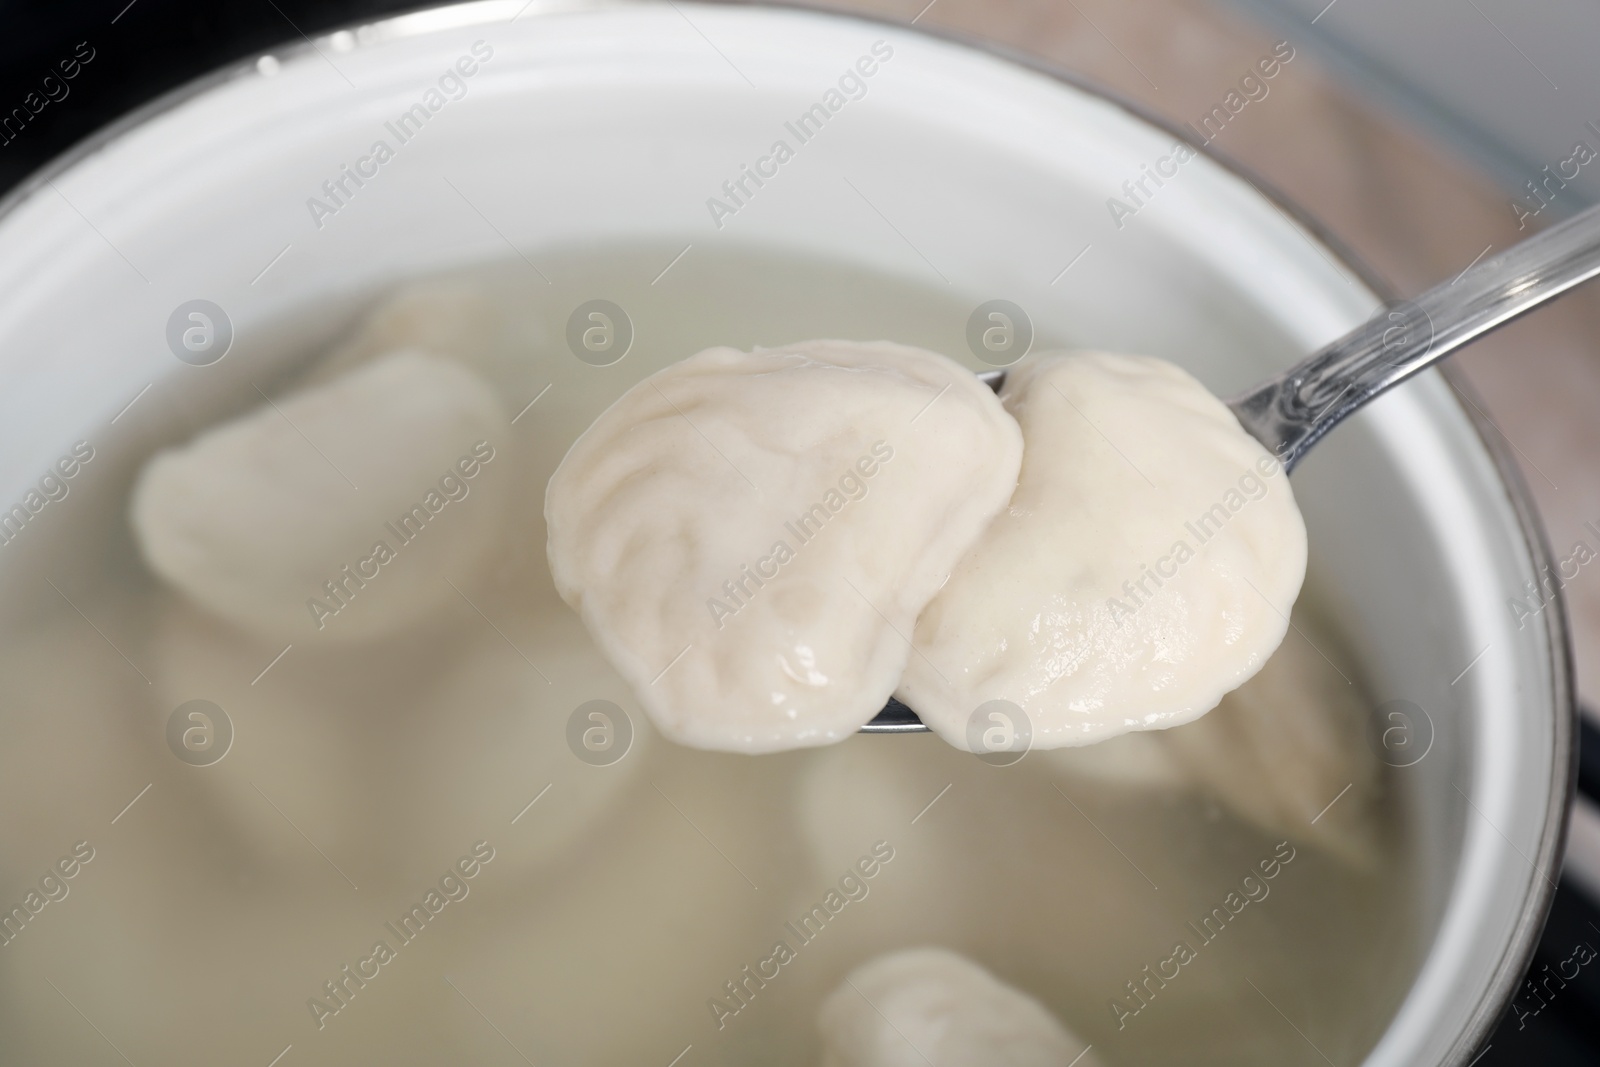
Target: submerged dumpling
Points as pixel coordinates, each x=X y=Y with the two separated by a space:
x=929 y=1007
x=461 y=321
x=1145 y=567
x=306 y=740
x=1287 y=751
x=341 y=512
x=750 y=535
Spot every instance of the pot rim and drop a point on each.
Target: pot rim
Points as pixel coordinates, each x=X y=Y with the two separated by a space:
x=423 y=19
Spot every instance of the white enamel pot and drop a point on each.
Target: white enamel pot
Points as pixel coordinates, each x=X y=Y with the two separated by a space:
x=259 y=189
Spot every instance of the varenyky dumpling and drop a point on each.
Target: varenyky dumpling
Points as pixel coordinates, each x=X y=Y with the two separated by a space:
x=1145 y=566
x=930 y=1007
x=1287 y=751
x=751 y=535
x=340 y=512
x=463 y=322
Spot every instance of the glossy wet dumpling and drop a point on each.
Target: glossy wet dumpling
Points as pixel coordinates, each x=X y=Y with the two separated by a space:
x=930 y=1007
x=750 y=536
x=340 y=512
x=1145 y=566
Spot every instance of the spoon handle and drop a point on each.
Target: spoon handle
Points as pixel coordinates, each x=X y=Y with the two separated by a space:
x=1290 y=413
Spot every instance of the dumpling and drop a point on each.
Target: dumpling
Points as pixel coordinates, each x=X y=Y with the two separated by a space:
x=648 y=915
x=1286 y=752
x=311 y=735
x=929 y=1007
x=342 y=512
x=392 y=754
x=1141 y=760
x=492 y=735
x=466 y=322
x=1145 y=566
x=750 y=535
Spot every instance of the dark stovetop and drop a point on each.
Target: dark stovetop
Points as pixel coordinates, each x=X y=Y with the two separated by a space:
x=1555 y=1017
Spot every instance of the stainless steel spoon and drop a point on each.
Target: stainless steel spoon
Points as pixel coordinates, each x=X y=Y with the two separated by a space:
x=1290 y=413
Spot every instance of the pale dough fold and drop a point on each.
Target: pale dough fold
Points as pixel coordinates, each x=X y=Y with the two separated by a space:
x=930 y=1007
x=274 y=519
x=1146 y=564
x=750 y=536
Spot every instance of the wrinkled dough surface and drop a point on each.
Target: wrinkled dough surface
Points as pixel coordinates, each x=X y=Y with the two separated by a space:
x=750 y=536
x=253 y=517
x=930 y=1006
x=1146 y=564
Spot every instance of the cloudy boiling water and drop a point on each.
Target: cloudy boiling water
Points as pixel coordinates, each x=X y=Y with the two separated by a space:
x=229 y=900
